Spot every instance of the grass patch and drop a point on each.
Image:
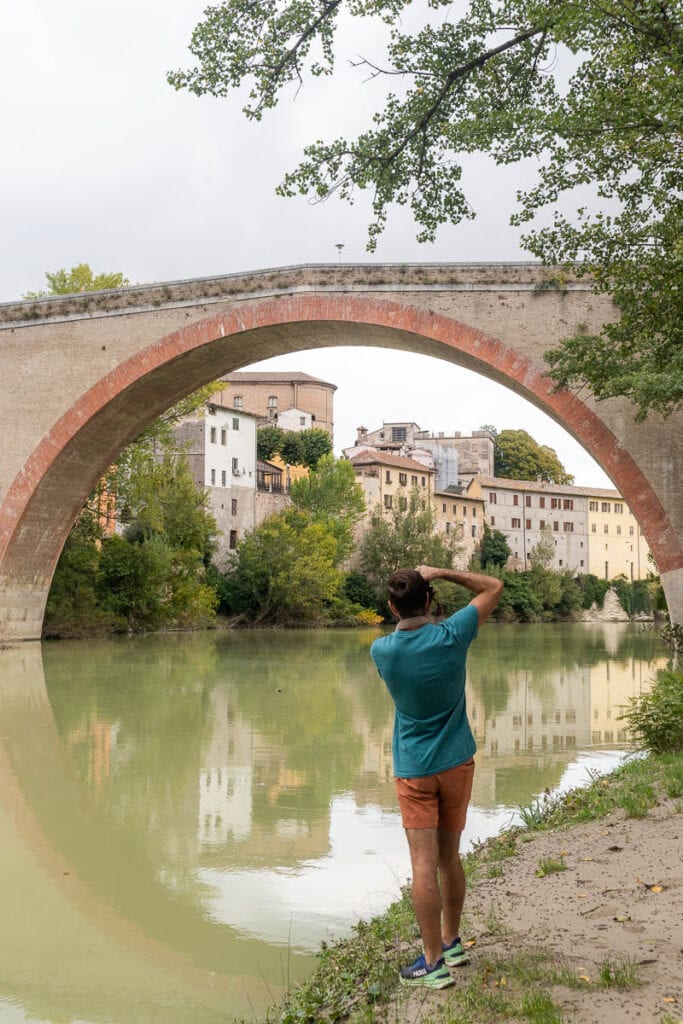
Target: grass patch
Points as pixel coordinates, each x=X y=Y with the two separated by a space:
x=550 y=866
x=638 y=801
x=621 y=974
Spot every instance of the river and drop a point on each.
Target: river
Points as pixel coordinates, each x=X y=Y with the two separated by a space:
x=185 y=817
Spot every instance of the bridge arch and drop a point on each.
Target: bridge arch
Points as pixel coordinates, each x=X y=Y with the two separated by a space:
x=45 y=497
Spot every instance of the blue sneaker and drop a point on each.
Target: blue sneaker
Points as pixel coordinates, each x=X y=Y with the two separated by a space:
x=454 y=955
x=419 y=973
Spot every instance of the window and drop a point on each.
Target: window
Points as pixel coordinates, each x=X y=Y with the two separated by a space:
x=561 y=563
x=493 y=520
x=233 y=506
x=556 y=526
x=424 y=481
x=238 y=402
x=213 y=477
x=568 y=503
x=403 y=479
x=402 y=503
x=527 y=501
x=593 y=506
x=272 y=401
x=528 y=524
x=606 y=570
x=223 y=478
x=618 y=507
x=474 y=529
x=448 y=528
x=605 y=528
x=235 y=423
x=387 y=476
x=542 y=524
x=212 y=435
x=233 y=539
x=516 y=524
x=443 y=507
x=302 y=421
x=224 y=436
x=630 y=530
x=474 y=512
x=515 y=499
x=399 y=434
x=455 y=510
x=464 y=511
x=387 y=501
x=413 y=481
x=493 y=498
x=568 y=527
x=618 y=531
x=582 y=563
x=235 y=467
x=541 y=501
x=594 y=528
x=606 y=507
x=555 y=503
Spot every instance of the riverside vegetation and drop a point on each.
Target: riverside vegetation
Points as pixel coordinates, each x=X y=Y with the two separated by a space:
x=356 y=979
x=288 y=571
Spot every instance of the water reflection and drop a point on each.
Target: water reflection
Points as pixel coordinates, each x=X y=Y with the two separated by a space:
x=185 y=817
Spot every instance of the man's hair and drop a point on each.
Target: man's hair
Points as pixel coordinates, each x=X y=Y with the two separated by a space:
x=408 y=592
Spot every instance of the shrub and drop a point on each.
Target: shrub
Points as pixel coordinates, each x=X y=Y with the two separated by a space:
x=656 y=718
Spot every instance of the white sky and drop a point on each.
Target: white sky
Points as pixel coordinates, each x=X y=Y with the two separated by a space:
x=102 y=162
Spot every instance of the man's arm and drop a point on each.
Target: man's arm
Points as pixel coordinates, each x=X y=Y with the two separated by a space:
x=487 y=589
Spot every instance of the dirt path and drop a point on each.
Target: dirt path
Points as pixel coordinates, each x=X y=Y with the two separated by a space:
x=620 y=900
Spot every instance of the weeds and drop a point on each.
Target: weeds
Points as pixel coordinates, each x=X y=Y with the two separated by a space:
x=621 y=974
x=550 y=866
x=638 y=801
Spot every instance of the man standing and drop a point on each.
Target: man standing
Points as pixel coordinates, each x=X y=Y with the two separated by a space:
x=423 y=665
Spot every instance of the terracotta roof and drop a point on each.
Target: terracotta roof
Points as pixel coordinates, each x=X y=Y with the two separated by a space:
x=274 y=376
x=542 y=485
x=367 y=458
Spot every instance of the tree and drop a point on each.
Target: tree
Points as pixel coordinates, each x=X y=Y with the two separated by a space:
x=79 y=279
x=405 y=538
x=284 y=571
x=315 y=444
x=494 y=549
x=331 y=496
x=269 y=441
x=494 y=81
x=517 y=456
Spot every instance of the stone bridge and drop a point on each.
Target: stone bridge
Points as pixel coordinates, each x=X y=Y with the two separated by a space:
x=82 y=376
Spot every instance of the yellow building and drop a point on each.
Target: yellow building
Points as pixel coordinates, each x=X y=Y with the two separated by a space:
x=616 y=543
x=459 y=511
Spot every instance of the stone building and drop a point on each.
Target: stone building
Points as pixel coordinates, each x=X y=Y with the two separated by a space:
x=270 y=394
x=524 y=509
x=474 y=452
x=220 y=444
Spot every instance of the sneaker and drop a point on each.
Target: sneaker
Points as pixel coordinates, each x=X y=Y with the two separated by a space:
x=419 y=973
x=455 y=955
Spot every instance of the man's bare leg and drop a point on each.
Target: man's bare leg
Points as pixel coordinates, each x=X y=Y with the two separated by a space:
x=424 y=857
x=452 y=883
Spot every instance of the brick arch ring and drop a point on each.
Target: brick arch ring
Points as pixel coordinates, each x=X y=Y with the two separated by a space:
x=47 y=494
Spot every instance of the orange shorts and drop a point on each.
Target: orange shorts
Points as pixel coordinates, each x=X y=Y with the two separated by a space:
x=437 y=801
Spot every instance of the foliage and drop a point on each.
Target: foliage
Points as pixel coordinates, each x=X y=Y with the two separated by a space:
x=284 y=571
x=268 y=441
x=358 y=590
x=296 y=447
x=656 y=718
x=543 y=552
x=331 y=495
x=592 y=589
x=517 y=456
x=79 y=279
x=589 y=89
x=494 y=549
x=405 y=537
x=72 y=608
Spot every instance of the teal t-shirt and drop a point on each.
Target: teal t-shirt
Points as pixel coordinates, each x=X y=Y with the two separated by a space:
x=424 y=671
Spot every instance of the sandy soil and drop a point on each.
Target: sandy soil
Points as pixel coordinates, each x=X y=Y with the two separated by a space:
x=603 y=906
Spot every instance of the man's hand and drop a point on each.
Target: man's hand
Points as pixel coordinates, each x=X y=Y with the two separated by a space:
x=487 y=589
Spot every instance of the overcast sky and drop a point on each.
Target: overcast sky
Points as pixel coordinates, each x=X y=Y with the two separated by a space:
x=104 y=163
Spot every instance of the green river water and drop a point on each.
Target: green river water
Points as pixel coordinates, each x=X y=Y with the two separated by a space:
x=185 y=817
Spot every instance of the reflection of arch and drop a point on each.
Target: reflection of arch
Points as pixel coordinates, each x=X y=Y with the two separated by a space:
x=47 y=494
x=163 y=952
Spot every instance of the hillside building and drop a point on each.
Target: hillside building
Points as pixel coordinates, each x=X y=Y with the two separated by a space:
x=269 y=395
